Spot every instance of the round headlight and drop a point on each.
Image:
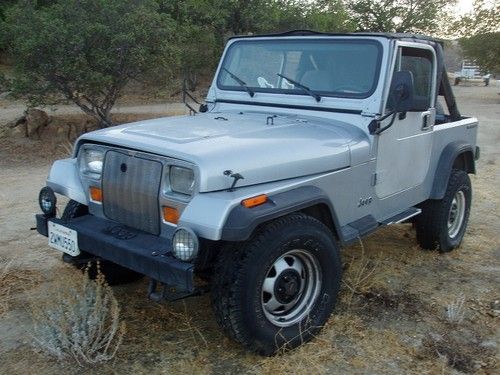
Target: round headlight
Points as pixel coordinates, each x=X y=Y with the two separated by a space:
x=185 y=244
x=47 y=201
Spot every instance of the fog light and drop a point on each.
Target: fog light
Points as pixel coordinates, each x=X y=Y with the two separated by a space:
x=47 y=201
x=185 y=244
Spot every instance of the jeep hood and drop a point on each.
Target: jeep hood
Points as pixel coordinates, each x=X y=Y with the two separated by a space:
x=261 y=147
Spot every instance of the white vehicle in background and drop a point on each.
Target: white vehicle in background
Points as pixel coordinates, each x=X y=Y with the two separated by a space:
x=472 y=73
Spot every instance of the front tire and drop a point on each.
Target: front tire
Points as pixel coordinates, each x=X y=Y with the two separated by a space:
x=278 y=289
x=443 y=222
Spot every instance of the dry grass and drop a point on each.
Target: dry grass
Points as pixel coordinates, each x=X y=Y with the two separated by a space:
x=78 y=319
x=198 y=364
x=460 y=350
x=455 y=311
x=303 y=360
x=361 y=270
x=14 y=281
x=5 y=286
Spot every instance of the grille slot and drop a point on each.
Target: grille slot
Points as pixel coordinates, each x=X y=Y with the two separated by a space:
x=130 y=191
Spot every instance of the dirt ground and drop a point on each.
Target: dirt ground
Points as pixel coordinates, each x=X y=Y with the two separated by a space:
x=391 y=317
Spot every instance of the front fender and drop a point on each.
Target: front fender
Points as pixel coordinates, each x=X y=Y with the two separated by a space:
x=242 y=221
x=65 y=180
x=220 y=215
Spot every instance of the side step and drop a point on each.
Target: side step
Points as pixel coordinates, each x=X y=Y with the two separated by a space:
x=359 y=228
x=403 y=216
x=368 y=224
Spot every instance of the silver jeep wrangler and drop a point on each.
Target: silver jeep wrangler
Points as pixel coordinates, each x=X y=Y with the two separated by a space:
x=307 y=142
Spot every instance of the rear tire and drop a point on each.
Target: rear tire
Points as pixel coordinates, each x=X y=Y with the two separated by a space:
x=443 y=222
x=113 y=273
x=276 y=290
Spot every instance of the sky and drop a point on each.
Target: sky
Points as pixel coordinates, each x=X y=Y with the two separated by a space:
x=464 y=6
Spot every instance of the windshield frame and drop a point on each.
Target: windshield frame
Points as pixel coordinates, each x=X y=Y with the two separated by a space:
x=297 y=91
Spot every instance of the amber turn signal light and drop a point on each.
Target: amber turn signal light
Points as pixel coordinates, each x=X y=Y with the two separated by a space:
x=254 y=201
x=171 y=215
x=95 y=194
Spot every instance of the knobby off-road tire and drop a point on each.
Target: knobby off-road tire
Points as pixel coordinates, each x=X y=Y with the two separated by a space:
x=113 y=273
x=276 y=290
x=442 y=223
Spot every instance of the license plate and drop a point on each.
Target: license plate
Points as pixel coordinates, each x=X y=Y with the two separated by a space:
x=63 y=239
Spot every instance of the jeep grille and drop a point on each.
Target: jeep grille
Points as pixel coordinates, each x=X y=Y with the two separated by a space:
x=130 y=191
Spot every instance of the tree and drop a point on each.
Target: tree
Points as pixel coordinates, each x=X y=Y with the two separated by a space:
x=480 y=31
x=401 y=16
x=329 y=16
x=484 y=49
x=484 y=18
x=86 y=51
x=4 y=6
x=204 y=25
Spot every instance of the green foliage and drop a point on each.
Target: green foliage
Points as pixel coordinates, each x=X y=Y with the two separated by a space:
x=329 y=16
x=204 y=25
x=484 y=49
x=4 y=6
x=484 y=18
x=87 y=50
x=400 y=16
x=480 y=31
x=319 y=15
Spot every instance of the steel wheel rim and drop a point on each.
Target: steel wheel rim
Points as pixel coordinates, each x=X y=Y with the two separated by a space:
x=290 y=288
x=456 y=214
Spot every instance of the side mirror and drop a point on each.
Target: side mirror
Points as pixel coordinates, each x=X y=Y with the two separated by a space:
x=401 y=93
x=400 y=100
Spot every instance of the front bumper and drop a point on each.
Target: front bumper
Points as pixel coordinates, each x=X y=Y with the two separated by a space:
x=139 y=251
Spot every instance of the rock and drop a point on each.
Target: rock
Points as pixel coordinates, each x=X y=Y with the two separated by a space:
x=18 y=131
x=61 y=132
x=36 y=120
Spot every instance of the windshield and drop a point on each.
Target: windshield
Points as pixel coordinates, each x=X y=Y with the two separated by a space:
x=328 y=67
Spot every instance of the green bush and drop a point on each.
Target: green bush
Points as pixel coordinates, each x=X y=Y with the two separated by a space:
x=86 y=51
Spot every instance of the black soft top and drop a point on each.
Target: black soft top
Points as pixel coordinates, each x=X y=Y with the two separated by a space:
x=399 y=36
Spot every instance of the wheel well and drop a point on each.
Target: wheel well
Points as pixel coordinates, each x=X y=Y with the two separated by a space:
x=322 y=213
x=465 y=162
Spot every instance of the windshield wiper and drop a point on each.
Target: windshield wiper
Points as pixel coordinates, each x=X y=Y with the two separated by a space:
x=240 y=82
x=301 y=86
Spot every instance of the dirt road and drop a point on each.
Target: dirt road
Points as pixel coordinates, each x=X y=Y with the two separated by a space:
x=10 y=111
x=392 y=322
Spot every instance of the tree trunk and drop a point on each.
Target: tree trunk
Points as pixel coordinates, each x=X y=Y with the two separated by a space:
x=104 y=117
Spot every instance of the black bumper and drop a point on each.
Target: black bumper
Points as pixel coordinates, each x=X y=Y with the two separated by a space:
x=139 y=251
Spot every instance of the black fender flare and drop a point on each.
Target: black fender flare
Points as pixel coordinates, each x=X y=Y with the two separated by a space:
x=241 y=221
x=442 y=174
